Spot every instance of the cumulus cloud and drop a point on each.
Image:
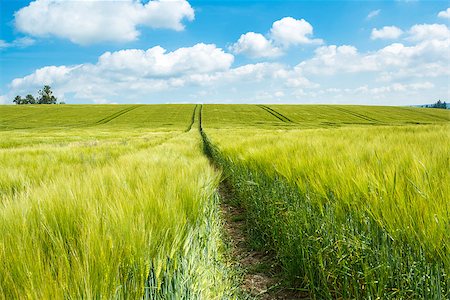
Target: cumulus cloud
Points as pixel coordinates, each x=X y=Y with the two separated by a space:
x=283 y=34
x=399 y=87
x=297 y=81
x=373 y=14
x=387 y=32
x=156 y=62
x=127 y=70
x=17 y=43
x=86 y=22
x=329 y=60
x=427 y=57
x=155 y=74
x=444 y=14
x=43 y=76
x=255 y=45
x=289 y=31
x=410 y=93
x=408 y=71
x=422 y=32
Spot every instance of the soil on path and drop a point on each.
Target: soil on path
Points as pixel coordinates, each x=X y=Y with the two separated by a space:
x=261 y=278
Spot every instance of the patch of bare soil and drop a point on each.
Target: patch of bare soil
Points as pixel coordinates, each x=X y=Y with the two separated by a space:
x=261 y=280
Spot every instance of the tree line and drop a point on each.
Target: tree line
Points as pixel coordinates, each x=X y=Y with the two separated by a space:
x=438 y=104
x=45 y=97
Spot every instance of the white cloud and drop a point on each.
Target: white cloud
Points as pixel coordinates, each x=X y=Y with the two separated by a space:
x=2 y=99
x=86 y=22
x=387 y=32
x=128 y=71
x=399 y=87
x=283 y=34
x=373 y=14
x=17 y=43
x=248 y=73
x=289 y=31
x=392 y=94
x=156 y=62
x=157 y=75
x=43 y=76
x=298 y=80
x=255 y=45
x=422 y=32
x=444 y=14
x=427 y=57
x=408 y=72
x=329 y=60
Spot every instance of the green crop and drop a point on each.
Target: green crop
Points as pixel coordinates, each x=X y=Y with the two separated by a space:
x=162 y=117
x=111 y=211
x=350 y=212
x=121 y=202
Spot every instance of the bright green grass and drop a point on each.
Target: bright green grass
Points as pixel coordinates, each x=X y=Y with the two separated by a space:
x=102 y=212
x=368 y=115
x=355 y=212
x=169 y=117
x=314 y=116
x=233 y=116
x=118 y=201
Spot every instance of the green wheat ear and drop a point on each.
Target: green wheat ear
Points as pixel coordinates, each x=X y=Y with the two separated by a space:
x=109 y=209
x=120 y=201
x=352 y=211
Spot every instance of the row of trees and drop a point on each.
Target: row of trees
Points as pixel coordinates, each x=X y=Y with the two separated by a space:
x=45 y=97
x=438 y=104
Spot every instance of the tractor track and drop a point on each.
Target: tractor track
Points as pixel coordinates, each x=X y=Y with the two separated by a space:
x=116 y=115
x=260 y=280
x=192 y=118
x=276 y=114
x=358 y=115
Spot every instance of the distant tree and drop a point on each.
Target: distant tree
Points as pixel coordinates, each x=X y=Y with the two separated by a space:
x=29 y=99
x=439 y=104
x=18 y=100
x=46 y=96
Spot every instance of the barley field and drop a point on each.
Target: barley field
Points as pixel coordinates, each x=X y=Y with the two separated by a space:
x=351 y=210
x=122 y=209
x=122 y=202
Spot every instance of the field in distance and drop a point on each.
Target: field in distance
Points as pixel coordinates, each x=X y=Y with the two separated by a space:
x=179 y=116
x=121 y=201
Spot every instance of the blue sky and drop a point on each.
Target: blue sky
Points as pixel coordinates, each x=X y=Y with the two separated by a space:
x=167 y=51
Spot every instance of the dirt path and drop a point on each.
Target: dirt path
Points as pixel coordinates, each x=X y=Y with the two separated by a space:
x=260 y=279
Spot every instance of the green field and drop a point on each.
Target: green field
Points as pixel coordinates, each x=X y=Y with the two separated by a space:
x=122 y=202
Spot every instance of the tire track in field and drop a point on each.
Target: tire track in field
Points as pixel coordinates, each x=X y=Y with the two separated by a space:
x=260 y=279
x=358 y=115
x=192 y=119
x=200 y=126
x=276 y=114
x=116 y=115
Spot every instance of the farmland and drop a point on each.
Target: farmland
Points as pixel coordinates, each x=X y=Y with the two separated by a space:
x=121 y=201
